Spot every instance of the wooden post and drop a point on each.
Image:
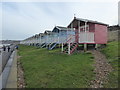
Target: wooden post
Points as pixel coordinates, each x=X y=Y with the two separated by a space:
x=62 y=47
x=58 y=39
x=67 y=33
x=96 y=46
x=36 y=41
x=85 y=31
x=49 y=45
x=46 y=40
x=40 y=40
x=68 y=48
x=78 y=31
x=33 y=41
x=59 y=45
x=85 y=47
x=30 y=41
x=78 y=26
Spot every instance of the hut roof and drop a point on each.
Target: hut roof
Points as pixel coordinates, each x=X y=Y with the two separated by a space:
x=64 y=28
x=86 y=20
x=47 y=31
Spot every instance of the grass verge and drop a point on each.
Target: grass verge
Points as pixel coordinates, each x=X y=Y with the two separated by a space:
x=111 y=52
x=52 y=69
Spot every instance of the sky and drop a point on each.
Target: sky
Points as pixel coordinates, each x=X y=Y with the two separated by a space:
x=22 y=19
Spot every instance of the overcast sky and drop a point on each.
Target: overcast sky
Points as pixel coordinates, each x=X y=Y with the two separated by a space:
x=20 y=20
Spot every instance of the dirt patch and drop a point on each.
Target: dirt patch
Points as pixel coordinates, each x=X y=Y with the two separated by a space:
x=20 y=75
x=102 y=69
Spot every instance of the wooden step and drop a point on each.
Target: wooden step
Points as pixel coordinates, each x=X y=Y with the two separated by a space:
x=74 y=49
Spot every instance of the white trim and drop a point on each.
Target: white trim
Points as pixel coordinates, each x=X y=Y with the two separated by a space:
x=68 y=48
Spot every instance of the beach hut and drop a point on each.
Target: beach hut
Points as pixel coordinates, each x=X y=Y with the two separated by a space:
x=63 y=33
x=87 y=32
x=60 y=35
x=79 y=31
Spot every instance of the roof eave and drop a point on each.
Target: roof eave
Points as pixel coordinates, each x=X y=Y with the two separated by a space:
x=86 y=20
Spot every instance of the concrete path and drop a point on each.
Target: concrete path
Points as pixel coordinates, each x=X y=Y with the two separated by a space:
x=0 y=60
x=12 y=78
x=4 y=56
x=8 y=77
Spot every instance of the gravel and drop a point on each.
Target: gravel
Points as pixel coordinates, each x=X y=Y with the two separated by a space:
x=102 y=69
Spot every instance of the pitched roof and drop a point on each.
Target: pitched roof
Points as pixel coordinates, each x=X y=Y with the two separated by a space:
x=41 y=34
x=64 y=28
x=80 y=19
x=47 y=32
x=86 y=20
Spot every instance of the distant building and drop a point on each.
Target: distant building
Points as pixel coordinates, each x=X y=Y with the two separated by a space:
x=119 y=13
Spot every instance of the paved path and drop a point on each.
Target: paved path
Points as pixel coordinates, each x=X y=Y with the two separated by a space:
x=102 y=69
x=0 y=60
x=8 y=77
x=4 y=56
x=12 y=78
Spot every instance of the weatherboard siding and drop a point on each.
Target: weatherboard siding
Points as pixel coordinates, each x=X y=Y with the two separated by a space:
x=100 y=34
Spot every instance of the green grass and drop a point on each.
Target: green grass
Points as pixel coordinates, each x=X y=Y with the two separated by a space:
x=111 y=52
x=52 y=69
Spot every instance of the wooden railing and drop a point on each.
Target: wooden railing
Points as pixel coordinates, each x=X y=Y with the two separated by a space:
x=86 y=37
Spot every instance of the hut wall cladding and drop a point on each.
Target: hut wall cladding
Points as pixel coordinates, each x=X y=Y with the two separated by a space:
x=100 y=34
x=91 y=27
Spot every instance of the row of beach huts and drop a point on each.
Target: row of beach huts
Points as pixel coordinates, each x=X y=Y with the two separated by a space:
x=79 y=31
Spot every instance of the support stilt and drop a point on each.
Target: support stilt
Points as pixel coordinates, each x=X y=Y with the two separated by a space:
x=59 y=45
x=46 y=45
x=96 y=46
x=49 y=46
x=85 y=47
x=62 y=47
